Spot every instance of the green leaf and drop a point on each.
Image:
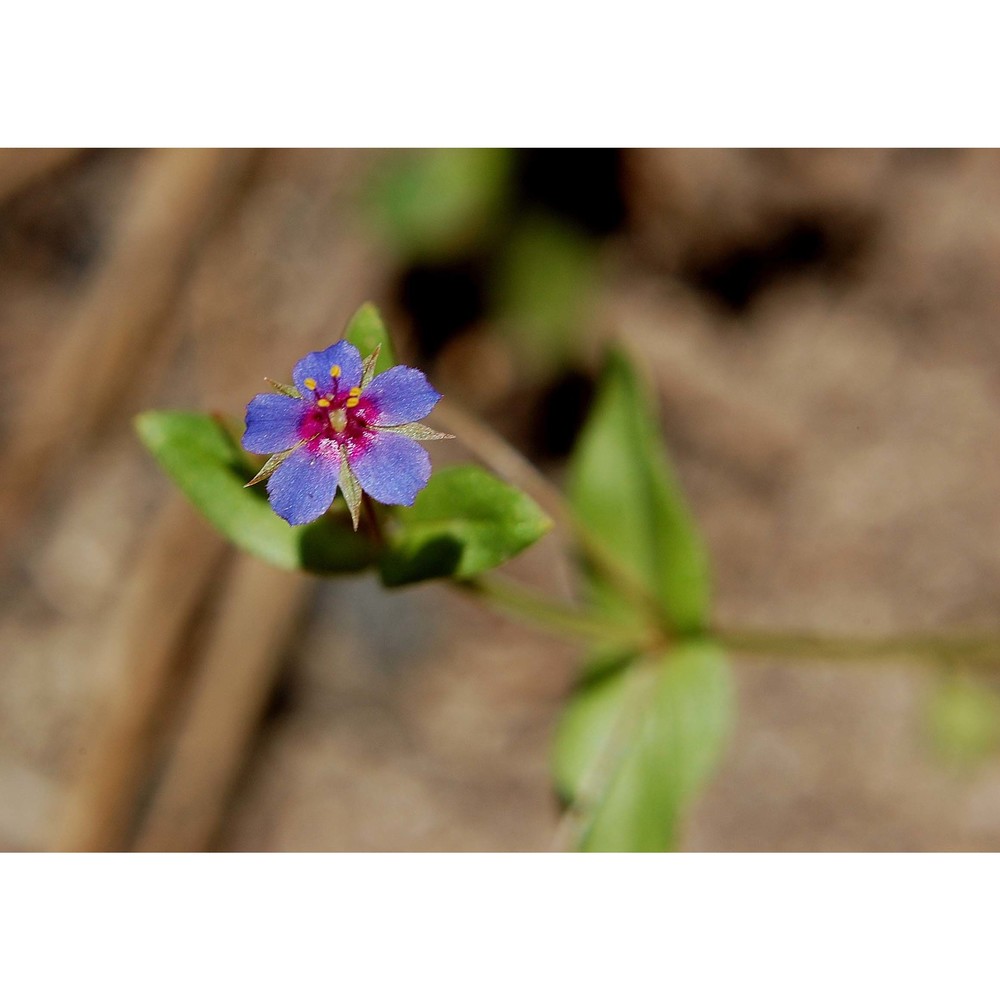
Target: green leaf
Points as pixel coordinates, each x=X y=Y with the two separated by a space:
x=964 y=720
x=544 y=289
x=624 y=491
x=464 y=522
x=637 y=744
x=366 y=331
x=203 y=460
x=435 y=203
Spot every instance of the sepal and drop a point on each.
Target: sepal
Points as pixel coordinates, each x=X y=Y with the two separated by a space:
x=351 y=489
x=368 y=367
x=271 y=466
x=285 y=390
x=418 y=432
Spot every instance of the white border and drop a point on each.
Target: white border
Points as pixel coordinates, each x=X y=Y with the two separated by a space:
x=498 y=926
x=537 y=73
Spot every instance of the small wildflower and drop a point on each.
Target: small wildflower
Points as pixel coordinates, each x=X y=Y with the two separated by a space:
x=341 y=425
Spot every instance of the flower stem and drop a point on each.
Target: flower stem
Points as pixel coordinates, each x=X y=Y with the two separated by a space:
x=802 y=646
x=372 y=520
x=533 y=606
x=504 y=459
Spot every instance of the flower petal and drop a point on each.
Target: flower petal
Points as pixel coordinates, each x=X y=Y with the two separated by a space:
x=304 y=486
x=400 y=396
x=390 y=468
x=272 y=423
x=318 y=364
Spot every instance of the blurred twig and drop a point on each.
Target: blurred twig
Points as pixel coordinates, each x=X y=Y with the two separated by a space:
x=163 y=590
x=172 y=199
x=235 y=678
x=21 y=167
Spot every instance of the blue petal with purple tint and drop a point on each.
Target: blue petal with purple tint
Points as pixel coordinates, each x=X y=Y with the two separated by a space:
x=304 y=485
x=272 y=423
x=318 y=364
x=401 y=395
x=390 y=468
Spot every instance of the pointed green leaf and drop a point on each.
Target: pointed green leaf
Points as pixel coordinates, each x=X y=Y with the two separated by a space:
x=464 y=522
x=419 y=432
x=624 y=491
x=201 y=458
x=636 y=745
x=366 y=331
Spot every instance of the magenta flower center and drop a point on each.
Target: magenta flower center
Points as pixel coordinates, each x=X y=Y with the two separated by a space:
x=340 y=415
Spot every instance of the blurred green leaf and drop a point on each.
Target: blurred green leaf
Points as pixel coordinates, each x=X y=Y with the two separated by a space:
x=624 y=491
x=545 y=289
x=636 y=745
x=437 y=202
x=464 y=522
x=366 y=331
x=964 y=720
x=203 y=460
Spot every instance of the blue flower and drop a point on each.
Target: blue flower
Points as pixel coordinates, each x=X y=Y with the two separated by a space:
x=341 y=425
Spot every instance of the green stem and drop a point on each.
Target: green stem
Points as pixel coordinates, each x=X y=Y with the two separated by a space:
x=801 y=646
x=554 y=616
x=565 y=619
x=510 y=464
x=531 y=605
x=372 y=520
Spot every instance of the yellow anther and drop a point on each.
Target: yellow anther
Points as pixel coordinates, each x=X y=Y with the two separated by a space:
x=335 y=371
x=309 y=383
x=322 y=402
x=353 y=401
x=356 y=391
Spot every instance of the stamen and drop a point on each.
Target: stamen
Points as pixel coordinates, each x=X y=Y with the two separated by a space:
x=322 y=402
x=335 y=371
x=356 y=391
x=353 y=401
x=309 y=383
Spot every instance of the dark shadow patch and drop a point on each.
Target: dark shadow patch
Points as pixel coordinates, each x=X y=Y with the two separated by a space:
x=582 y=186
x=332 y=546
x=283 y=698
x=559 y=414
x=442 y=300
x=436 y=557
x=55 y=227
x=737 y=276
